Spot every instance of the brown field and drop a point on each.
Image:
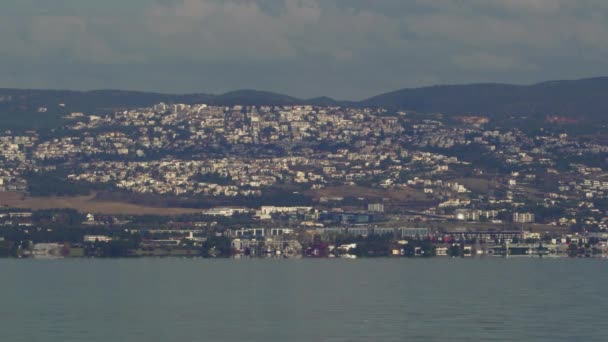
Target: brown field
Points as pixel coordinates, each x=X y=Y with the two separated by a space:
x=481 y=185
x=86 y=204
x=487 y=186
x=396 y=195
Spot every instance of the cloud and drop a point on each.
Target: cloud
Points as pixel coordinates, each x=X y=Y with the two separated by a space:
x=342 y=48
x=490 y=62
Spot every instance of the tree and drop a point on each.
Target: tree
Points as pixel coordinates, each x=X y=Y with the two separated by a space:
x=572 y=250
x=217 y=246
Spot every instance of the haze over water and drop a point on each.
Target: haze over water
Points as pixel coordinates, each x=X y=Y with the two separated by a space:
x=490 y=299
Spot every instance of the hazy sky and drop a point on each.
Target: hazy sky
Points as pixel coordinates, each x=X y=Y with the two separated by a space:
x=347 y=49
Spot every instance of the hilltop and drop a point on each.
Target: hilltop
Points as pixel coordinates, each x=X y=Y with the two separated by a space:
x=585 y=100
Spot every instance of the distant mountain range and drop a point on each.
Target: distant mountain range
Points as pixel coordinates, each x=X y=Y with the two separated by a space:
x=585 y=99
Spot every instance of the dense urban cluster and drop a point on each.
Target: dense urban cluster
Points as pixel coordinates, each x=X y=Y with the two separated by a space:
x=65 y=235
x=338 y=176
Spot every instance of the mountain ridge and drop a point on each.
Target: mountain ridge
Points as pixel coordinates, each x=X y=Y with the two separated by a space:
x=585 y=99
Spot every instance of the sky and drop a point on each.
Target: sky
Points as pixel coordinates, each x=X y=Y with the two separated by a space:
x=346 y=49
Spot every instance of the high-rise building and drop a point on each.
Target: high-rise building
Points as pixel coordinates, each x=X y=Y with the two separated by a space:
x=523 y=218
x=375 y=207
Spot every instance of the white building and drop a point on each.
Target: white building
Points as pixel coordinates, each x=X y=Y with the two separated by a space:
x=375 y=207
x=97 y=238
x=523 y=218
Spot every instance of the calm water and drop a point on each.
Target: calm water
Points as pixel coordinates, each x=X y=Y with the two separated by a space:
x=488 y=299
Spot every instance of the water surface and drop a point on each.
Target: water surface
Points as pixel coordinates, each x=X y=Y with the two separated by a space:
x=139 y=300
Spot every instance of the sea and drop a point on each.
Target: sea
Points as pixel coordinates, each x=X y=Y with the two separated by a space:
x=171 y=299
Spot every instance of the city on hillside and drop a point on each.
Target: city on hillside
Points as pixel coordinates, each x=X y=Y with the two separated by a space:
x=299 y=180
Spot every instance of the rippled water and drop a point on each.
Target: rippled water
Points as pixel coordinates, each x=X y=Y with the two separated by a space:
x=488 y=299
